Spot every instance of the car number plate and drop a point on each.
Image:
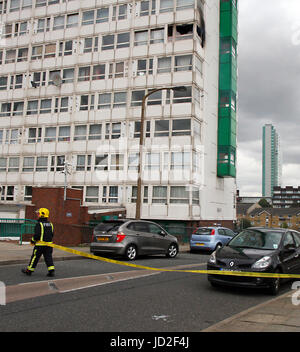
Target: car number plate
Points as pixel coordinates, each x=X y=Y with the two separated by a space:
x=102 y=239
x=199 y=244
x=224 y=269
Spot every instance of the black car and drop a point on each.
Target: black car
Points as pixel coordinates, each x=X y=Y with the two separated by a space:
x=257 y=249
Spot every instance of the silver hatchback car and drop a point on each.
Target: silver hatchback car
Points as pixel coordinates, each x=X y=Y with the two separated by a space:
x=131 y=238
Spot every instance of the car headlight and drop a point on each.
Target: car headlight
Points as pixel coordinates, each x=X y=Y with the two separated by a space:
x=213 y=258
x=262 y=263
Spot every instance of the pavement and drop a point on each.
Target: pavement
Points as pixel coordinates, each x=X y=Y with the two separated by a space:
x=280 y=314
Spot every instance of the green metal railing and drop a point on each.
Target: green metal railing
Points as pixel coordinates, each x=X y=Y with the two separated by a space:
x=16 y=228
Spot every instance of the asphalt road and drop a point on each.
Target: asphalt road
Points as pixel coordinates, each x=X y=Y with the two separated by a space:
x=161 y=302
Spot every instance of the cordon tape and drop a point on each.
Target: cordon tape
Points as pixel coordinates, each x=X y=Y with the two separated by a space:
x=214 y=272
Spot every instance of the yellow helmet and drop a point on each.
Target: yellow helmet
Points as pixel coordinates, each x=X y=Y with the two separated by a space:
x=43 y=212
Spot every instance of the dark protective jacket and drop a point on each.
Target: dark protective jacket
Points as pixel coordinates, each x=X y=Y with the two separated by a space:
x=43 y=232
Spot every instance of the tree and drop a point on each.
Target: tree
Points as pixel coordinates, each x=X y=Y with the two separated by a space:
x=264 y=203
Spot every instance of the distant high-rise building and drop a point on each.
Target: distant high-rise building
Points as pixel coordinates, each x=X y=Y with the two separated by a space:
x=271 y=160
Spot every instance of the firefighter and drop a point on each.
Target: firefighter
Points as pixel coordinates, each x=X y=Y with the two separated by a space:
x=43 y=232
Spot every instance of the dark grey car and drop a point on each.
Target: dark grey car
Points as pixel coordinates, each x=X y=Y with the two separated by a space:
x=130 y=238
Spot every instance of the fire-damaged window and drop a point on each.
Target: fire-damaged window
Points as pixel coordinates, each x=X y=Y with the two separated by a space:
x=201 y=22
x=186 y=31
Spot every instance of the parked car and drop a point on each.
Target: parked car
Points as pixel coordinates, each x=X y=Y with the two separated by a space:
x=131 y=238
x=210 y=238
x=257 y=249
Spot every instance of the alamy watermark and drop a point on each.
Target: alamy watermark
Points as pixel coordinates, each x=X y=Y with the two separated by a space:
x=296 y=295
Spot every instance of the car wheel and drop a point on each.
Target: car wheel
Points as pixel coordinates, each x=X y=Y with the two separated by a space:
x=131 y=252
x=275 y=284
x=172 y=250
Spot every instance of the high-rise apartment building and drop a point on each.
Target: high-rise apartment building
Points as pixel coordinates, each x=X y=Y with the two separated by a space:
x=73 y=76
x=271 y=160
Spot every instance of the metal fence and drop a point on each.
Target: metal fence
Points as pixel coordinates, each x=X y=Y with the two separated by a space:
x=16 y=228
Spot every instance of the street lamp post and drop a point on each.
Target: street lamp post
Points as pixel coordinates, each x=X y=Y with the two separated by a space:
x=139 y=181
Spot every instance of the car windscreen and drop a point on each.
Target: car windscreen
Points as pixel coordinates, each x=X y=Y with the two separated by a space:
x=203 y=231
x=257 y=239
x=108 y=226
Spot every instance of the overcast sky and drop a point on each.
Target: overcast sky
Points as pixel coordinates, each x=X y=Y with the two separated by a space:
x=268 y=85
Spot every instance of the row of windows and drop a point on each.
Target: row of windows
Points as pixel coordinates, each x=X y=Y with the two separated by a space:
x=114 y=194
x=140 y=67
x=108 y=130
x=99 y=43
x=89 y=102
x=109 y=13
x=159 y=161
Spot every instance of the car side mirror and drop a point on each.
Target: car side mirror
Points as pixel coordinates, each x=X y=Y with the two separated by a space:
x=162 y=233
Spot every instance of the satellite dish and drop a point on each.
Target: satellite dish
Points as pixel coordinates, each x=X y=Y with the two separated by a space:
x=56 y=79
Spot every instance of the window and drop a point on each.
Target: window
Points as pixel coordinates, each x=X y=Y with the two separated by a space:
x=90 y=44
x=10 y=56
x=22 y=54
x=68 y=75
x=28 y=164
x=145 y=9
x=141 y=38
x=195 y=196
x=45 y=107
x=137 y=128
x=8 y=193
x=80 y=133
x=41 y=163
x=120 y=99
x=166 y=6
x=32 y=107
x=164 y=65
x=152 y=161
x=59 y=22
x=3 y=83
x=134 y=194
x=183 y=63
x=12 y=136
x=110 y=194
x=123 y=40
x=34 y=135
x=14 y=5
x=137 y=97
x=5 y=109
x=43 y=25
x=155 y=98
x=133 y=161
x=161 y=128
x=101 y=162
x=13 y=164
x=72 y=20
x=144 y=66
x=108 y=42
x=64 y=133
x=102 y=15
x=3 y=164
x=18 y=108
x=116 y=162
x=104 y=101
x=21 y=28
x=50 y=134
x=113 y=130
x=57 y=163
x=65 y=48
x=156 y=36
x=61 y=104
x=38 y=79
x=180 y=160
x=37 y=52
x=179 y=195
x=184 y=4
x=95 y=131
x=50 y=50
x=88 y=17
x=92 y=194
x=159 y=195
x=83 y=163
x=182 y=96
x=181 y=127
x=117 y=70
x=28 y=193
x=84 y=73
x=87 y=102
x=98 y=72
x=119 y=12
